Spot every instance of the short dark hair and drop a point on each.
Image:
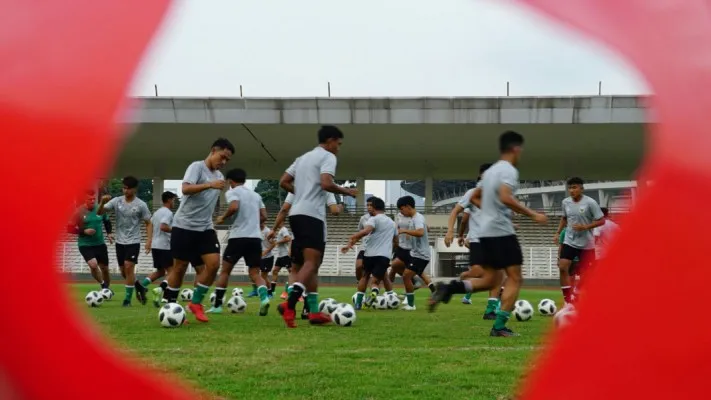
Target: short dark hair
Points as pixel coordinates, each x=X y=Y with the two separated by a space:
x=575 y=181
x=378 y=203
x=329 y=132
x=605 y=211
x=167 y=196
x=508 y=140
x=223 y=143
x=406 y=201
x=130 y=182
x=484 y=167
x=237 y=175
x=90 y=192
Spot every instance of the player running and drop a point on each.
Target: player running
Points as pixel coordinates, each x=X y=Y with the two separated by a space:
x=283 y=240
x=604 y=234
x=244 y=240
x=497 y=235
x=420 y=252
x=130 y=211
x=193 y=235
x=309 y=178
x=364 y=242
x=267 y=260
x=90 y=238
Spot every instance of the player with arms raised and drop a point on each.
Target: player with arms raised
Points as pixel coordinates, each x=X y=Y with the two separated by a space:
x=90 y=238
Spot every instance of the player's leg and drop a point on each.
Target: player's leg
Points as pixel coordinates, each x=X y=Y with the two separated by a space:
x=362 y=286
x=231 y=257
x=409 y=288
x=359 y=265
x=121 y=258
x=131 y=252
x=89 y=255
x=267 y=264
x=374 y=287
x=275 y=275
x=259 y=270
x=567 y=255
x=380 y=275
x=428 y=281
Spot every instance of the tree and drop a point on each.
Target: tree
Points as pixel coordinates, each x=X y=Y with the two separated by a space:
x=145 y=190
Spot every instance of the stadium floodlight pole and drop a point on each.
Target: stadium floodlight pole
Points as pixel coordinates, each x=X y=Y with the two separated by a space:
x=240 y=91
x=155 y=87
x=599 y=88
x=329 y=89
x=507 y=89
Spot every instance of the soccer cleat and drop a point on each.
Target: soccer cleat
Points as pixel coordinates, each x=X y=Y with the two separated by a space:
x=466 y=301
x=140 y=292
x=490 y=316
x=304 y=314
x=441 y=295
x=284 y=296
x=157 y=294
x=287 y=314
x=503 y=332
x=198 y=311
x=214 y=310
x=264 y=308
x=319 y=318
x=409 y=308
x=126 y=303
x=253 y=293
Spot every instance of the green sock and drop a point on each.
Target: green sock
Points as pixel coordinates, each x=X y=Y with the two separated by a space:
x=312 y=299
x=199 y=294
x=146 y=282
x=129 y=294
x=359 y=298
x=498 y=305
x=286 y=287
x=468 y=296
x=410 y=299
x=491 y=305
x=262 y=291
x=254 y=287
x=501 y=318
x=288 y=290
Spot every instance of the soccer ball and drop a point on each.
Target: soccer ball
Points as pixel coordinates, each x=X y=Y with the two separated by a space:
x=94 y=299
x=171 y=315
x=523 y=310
x=338 y=307
x=236 y=304
x=381 y=303
x=353 y=299
x=564 y=317
x=344 y=315
x=186 y=295
x=327 y=305
x=107 y=294
x=213 y=297
x=547 y=307
x=393 y=301
x=237 y=292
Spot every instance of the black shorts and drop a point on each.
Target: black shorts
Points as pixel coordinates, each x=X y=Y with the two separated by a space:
x=476 y=257
x=308 y=234
x=127 y=252
x=360 y=255
x=403 y=255
x=376 y=266
x=586 y=256
x=99 y=252
x=162 y=259
x=501 y=252
x=248 y=248
x=418 y=265
x=187 y=245
x=283 y=262
x=266 y=264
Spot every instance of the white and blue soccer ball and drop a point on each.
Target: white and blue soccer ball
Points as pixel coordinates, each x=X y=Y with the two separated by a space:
x=523 y=311
x=107 y=294
x=381 y=303
x=344 y=315
x=213 y=297
x=393 y=301
x=172 y=315
x=94 y=299
x=237 y=292
x=547 y=307
x=236 y=304
x=186 y=295
x=328 y=306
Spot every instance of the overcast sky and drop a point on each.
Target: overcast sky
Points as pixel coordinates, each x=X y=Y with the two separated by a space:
x=286 y=48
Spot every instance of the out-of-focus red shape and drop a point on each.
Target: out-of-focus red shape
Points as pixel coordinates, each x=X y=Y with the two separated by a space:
x=639 y=335
x=64 y=68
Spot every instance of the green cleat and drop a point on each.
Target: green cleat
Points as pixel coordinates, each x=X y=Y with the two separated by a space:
x=214 y=310
x=264 y=308
x=157 y=296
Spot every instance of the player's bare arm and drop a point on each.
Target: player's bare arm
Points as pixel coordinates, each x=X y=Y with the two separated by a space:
x=231 y=210
x=359 y=235
x=104 y=199
x=412 y=232
x=287 y=182
x=329 y=185
x=563 y=222
x=190 y=188
x=449 y=237
x=476 y=197
x=149 y=235
x=462 y=228
x=509 y=200
x=593 y=225
x=281 y=217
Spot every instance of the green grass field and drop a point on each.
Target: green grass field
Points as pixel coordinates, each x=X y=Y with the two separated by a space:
x=387 y=354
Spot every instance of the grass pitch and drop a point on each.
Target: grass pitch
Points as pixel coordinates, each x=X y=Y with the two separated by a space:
x=387 y=354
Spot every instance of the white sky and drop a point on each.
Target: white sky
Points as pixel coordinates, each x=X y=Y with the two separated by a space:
x=285 y=48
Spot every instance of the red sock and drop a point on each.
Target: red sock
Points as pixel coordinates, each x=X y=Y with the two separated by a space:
x=567 y=293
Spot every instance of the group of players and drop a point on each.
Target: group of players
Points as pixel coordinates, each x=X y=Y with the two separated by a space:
x=189 y=237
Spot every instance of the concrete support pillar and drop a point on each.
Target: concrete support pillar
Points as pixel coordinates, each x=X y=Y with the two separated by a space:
x=604 y=198
x=428 y=192
x=360 y=199
x=547 y=201
x=157 y=192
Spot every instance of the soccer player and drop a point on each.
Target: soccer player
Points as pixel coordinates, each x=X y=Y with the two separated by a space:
x=497 y=235
x=333 y=208
x=382 y=233
x=361 y=225
x=283 y=239
x=420 y=252
x=604 y=234
x=130 y=211
x=87 y=225
x=309 y=178
x=581 y=214
x=160 y=246
x=245 y=238
x=267 y=260
x=193 y=235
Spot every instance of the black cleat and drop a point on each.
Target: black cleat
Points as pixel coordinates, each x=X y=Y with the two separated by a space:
x=490 y=316
x=441 y=295
x=304 y=314
x=503 y=332
x=140 y=293
x=126 y=303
